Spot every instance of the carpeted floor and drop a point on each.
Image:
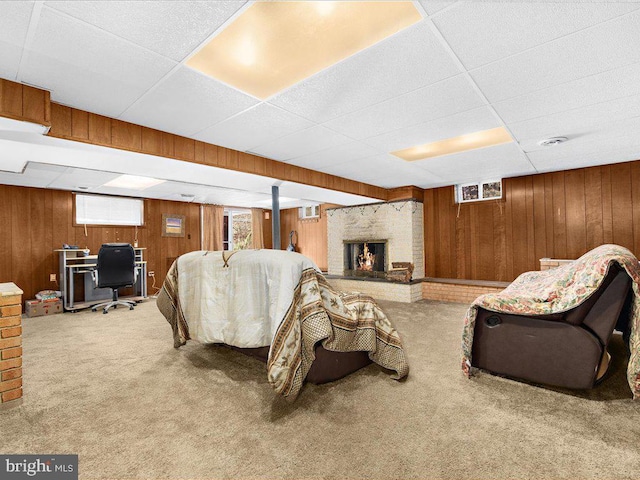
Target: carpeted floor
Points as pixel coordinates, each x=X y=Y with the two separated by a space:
x=112 y=389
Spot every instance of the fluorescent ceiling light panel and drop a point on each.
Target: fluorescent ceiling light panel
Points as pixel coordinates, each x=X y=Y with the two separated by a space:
x=463 y=143
x=273 y=45
x=133 y=182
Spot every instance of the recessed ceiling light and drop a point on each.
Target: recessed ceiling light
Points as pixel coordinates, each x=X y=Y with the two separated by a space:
x=273 y=45
x=548 y=142
x=133 y=182
x=463 y=143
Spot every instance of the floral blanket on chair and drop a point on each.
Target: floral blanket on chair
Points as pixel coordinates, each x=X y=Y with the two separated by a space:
x=561 y=289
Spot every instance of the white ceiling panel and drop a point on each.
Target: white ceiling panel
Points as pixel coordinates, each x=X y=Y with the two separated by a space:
x=622 y=135
x=256 y=126
x=442 y=99
x=332 y=156
x=375 y=167
x=74 y=86
x=14 y=23
x=10 y=56
x=186 y=102
x=587 y=158
x=432 y=6
x=576 y=122
x=404 y=62
x=301 y=143
x=492 y=162
x=594 y=50
x=171 y=28
x=475 y=120
x=71 y=43
x=73 y=178
x=465 y=26
x=35 y=175
x=591 y=90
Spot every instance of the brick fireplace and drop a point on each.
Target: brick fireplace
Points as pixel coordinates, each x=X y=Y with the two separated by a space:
x=394 y=230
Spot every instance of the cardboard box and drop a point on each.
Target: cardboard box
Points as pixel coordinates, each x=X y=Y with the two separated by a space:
x=38 y=308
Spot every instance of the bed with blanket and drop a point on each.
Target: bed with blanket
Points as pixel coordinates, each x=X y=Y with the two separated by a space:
x=259 y=299
x=559 y=290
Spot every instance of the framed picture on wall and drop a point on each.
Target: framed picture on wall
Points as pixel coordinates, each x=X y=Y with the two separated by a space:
x=475 y=192
x=173 y=225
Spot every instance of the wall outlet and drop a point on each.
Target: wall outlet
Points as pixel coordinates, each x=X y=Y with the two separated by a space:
x=151 y=273
x=52 y=277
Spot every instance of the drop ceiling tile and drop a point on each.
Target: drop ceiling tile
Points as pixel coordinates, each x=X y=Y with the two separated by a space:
x=85 y=61
x=591 y=90
x=186 y=102
x=500 y=161
x=301 y=143
x=576 y=122
x=408 y=60
x=586 y=159
x=256 y=126
x=375 y=167
x=10 y=56
x=462 y=123
x=621 y=136
x=171 y=28
x=442 y=99
x=433 y=6
x=516 y=26
x=598 y=49
x=14 y=23
x=334 y=155
x=73 y=178
x=77 y=87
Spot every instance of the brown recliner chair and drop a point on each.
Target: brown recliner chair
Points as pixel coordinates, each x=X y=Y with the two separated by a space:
x=565 y=349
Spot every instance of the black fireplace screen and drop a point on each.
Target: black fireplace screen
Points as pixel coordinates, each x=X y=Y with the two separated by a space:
x=365 y=259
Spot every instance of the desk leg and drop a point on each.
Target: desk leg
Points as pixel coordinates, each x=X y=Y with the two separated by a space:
x=71 y=295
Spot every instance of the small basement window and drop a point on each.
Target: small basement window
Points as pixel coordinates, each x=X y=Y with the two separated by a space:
x=108 y=210
x=474 y=192
x=310 y=211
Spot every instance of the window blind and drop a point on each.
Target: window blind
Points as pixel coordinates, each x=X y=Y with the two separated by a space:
x=106 y=210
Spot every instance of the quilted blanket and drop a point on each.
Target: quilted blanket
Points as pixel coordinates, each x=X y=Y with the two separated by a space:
x=561 y=289
x=314 y=312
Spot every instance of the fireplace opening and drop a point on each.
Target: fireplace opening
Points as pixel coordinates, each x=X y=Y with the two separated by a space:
x=365 y=259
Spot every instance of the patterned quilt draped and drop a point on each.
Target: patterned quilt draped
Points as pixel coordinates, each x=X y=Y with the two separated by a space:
x=314 y=313
x=561 y=289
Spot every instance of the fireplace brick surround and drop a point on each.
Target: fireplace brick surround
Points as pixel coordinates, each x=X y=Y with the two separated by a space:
x=399 y=223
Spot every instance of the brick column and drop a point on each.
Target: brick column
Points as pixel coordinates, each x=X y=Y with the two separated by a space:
x=10 y=342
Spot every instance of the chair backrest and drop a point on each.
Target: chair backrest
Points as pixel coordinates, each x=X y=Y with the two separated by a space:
x=116 y=265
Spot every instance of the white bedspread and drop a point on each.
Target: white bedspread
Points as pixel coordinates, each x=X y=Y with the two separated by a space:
x=243 y=304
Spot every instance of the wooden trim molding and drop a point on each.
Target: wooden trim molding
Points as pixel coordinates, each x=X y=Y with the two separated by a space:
x=410 y=192
x=24 y=103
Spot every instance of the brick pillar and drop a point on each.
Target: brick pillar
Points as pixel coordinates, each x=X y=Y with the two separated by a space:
x=10 y=342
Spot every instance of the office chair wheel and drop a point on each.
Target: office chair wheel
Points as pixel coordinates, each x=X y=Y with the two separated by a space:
x=93 y=309
x=105 y=311
x=131 y=307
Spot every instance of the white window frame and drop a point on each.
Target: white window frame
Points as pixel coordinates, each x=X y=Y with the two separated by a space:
x=480 y=186
x=314 y=211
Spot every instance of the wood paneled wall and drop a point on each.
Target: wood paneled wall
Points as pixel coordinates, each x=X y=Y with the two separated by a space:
x=36 y=221
x=22 y=102
x=558 y=215
x=312 y=234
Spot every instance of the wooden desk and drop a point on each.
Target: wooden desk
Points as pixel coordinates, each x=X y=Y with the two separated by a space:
x=74 y=261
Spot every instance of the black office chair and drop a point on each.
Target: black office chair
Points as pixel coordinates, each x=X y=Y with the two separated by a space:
x=116 y=269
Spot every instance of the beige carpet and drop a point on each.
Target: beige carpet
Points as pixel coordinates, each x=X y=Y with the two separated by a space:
x=112 y=389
